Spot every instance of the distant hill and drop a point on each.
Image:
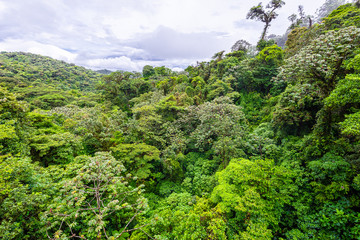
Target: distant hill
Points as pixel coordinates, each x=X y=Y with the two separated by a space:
x=104 y=71
x=45 y=82
x=19 y=69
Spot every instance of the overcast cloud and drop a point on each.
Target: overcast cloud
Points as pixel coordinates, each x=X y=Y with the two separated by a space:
x=128 y=34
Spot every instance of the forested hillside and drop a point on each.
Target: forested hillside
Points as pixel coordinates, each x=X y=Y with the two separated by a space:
x=45 y=82
x=262 y=142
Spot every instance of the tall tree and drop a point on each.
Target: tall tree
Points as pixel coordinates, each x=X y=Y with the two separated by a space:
x=218 y=56
x=241 y=45
x=266 y=16
x=98 y=203
x=302 y=20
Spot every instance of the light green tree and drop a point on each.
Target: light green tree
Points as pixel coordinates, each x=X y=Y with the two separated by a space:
x=253 y=194
x=97 y=203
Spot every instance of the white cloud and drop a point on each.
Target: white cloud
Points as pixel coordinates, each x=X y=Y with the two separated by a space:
x=112 y=64
x=127 y=64
x=3 y=7
x=10 y=45
x=177 y=69
x=125 y=34
x=167 y=43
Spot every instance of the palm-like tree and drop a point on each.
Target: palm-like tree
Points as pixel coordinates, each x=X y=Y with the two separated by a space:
x=261 y=13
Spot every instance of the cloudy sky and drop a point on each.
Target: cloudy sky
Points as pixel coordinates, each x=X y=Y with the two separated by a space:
x=128 y=34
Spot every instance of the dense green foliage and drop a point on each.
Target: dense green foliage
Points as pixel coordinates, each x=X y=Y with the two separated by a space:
x=25 y=69
x=250 y=145
x=47 y=83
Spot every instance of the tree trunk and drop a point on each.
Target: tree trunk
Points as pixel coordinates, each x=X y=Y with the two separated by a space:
x=267 y=24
